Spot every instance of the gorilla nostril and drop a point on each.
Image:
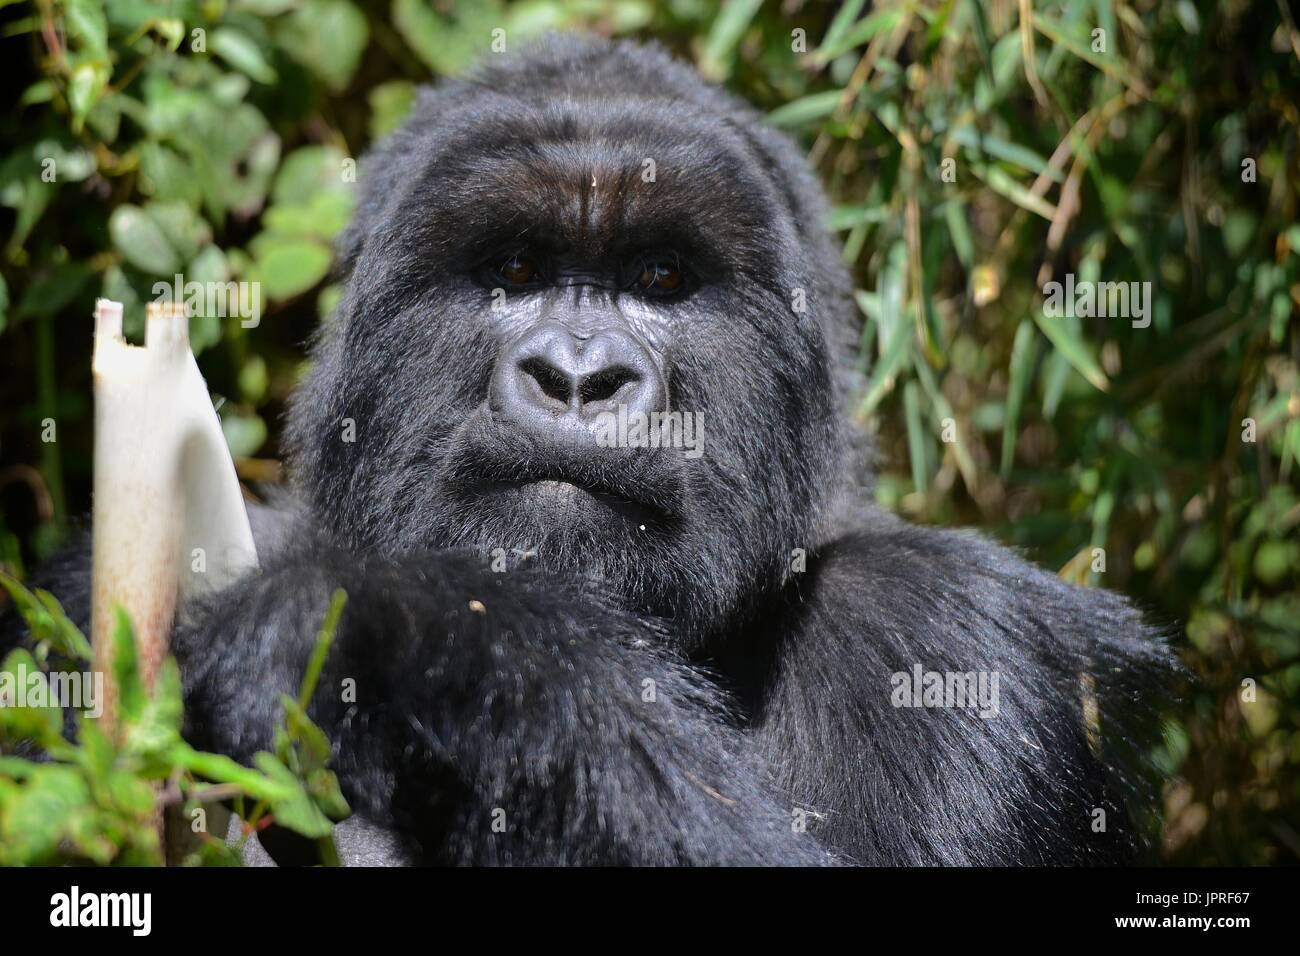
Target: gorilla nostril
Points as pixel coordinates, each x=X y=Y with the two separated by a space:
x=605 y=384
x=553 y=383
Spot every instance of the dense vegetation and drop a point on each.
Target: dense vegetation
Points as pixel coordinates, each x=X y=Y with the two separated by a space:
x=974 y=152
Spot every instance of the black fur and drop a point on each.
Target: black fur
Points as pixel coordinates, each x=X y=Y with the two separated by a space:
x=772 y=686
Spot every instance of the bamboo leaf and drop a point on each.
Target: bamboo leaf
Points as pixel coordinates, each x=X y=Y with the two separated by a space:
x=1071 y=345
x=1024 y=352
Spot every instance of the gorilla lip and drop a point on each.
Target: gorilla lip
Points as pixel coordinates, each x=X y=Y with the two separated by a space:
x=570 y=493
x=491 y=457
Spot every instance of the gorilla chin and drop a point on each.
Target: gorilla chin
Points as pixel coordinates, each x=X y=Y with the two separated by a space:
x=564 y=503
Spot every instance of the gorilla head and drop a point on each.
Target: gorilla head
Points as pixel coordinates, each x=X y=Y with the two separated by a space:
x=577 y=234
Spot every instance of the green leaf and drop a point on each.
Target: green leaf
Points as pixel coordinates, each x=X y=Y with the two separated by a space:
x=323 y=787
x=142 y=241
x=323 y=216
x=1024 y=353
x=306 y=172
x=244 y=434
x=159 y=724
x=300 y=744
x=954 y=214
x=860 y=33
x=389 y=104
x=46 y=620
x=84 y=90
x=327 y=37
x=324 y=641
x=1013 y=153
x=807 y=109
x=1070 y=344
x=1005 y=185
x=295 y=809
x=447 y=44
x=41 y=723
x=64 y=636
x=241 y=52
x=186 y=232
x=87 y=26
x=1057 y=33
x=890 y=365
x=916 y=446
x=844 y=18
x=167 y=175
x=131 y=698
x=39 y=814
x=724 y=36
x=288 y=266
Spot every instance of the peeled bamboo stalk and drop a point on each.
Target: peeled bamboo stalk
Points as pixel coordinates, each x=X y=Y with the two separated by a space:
x=169 y=517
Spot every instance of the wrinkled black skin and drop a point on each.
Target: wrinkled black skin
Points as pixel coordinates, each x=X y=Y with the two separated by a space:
x=772 y=687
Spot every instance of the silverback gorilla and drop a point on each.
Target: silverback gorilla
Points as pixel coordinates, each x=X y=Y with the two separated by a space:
x=627 y=654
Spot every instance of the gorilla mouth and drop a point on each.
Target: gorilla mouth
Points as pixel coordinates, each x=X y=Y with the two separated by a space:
x=492 y=460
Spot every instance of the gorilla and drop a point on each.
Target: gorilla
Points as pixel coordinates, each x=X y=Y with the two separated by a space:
x=575 y=643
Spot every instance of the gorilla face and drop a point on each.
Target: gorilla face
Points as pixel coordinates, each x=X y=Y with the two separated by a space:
x=533 y=263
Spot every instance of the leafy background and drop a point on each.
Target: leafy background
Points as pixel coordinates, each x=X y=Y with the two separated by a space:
x=207 y=137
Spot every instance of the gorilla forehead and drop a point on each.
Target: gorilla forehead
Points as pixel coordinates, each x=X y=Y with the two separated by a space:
x=596 y=176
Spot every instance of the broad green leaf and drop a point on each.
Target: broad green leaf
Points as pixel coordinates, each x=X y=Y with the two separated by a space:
x=64 y=636
x=40 y=814
x=306 y=172
x=87 y=26
x=323 y=216
x=240 y=51
x=186 y=232
x=389 y=104
x=142 y=241
x=244 y=434
x=301 y=745
x=289 y=266
x=448 y=43
x=295 y=810
x=84 y=90
x=38 y=720
x=327 y=37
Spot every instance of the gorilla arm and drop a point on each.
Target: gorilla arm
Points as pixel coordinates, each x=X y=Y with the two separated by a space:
x=497 y=718
x=941 y=784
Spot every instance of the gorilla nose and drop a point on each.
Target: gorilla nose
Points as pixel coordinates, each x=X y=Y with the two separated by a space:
x=550 y=376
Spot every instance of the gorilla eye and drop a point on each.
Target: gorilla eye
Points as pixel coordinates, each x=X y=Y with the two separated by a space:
x=659 y=277
x=520 y=269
